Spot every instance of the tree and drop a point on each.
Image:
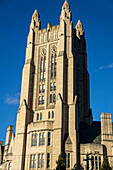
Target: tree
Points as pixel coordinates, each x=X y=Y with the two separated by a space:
x=60 y=163
x=105 y=164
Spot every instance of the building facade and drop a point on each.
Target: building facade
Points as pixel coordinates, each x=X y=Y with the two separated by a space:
x=54 y=115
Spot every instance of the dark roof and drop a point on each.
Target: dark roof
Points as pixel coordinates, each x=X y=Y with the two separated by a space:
x=90 y=134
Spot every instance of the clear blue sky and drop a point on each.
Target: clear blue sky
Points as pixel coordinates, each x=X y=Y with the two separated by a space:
x=15 y=18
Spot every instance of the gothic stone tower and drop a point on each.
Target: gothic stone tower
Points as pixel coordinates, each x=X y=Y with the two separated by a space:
x=54 y=95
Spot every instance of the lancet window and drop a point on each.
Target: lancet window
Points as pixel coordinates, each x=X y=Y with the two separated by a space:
x=53 y=73
x=42 y=74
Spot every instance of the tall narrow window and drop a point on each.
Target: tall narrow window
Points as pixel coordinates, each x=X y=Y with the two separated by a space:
x=44 y=63
x=37 y=116
x=49 y=115
x=43 y=138
x=33 y=161
x=54 y=86
x=41 y=65
x=99 y=161
x=40 y=139
x=55 y=71
x=51 y=86
x=44 y=75
x=41 y=160
x=50 y=98
x=96 y=163
x=49 y=138
x=34 y=140
x=44 y=67
x=41 y=69
x=54 y=98
x=52 y=114
x=39 y=102
x=48 y=160
x=42 y=99
x=40 y=88
x=67 y=160
x=40 y=116
x=10 y=165
x=41 y=76
x=52 y=65
x=92 y=162
x=43 y=88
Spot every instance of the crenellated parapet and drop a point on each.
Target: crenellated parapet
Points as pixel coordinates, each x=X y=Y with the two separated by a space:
x=48 y=34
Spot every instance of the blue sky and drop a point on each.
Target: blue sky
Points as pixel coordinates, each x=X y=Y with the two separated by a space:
x=97 y=19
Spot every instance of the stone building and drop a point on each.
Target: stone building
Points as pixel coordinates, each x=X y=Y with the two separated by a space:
x=54 y=115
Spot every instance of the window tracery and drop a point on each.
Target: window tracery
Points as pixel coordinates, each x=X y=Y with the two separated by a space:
x=53 y=72
x=42 y=73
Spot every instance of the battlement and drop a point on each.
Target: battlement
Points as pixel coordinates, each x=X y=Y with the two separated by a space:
x=47 y=34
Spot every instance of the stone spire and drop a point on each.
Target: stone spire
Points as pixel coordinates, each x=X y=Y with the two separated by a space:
x=35 y=22
x=66 y=12
x=79 y=29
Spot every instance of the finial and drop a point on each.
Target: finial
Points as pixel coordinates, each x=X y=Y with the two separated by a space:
x=79 y=29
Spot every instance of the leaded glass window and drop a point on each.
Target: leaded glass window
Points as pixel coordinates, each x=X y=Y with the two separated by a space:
x=33 y=161
x=41 y=160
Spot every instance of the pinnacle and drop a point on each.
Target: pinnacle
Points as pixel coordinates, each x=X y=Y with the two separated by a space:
x=79 y=24
x=66 y=5
x=35 y=14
